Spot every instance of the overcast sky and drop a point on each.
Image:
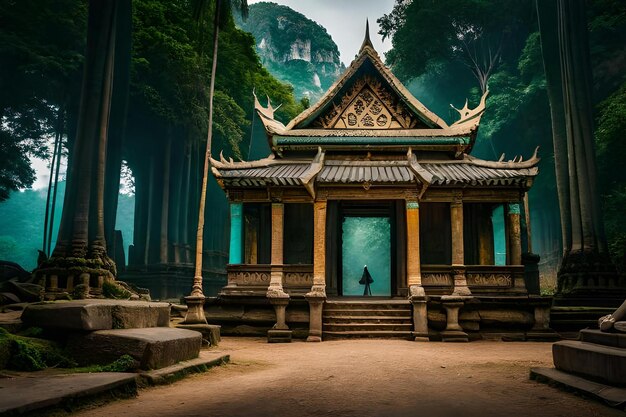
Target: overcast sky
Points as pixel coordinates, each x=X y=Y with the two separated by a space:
x=345 y=21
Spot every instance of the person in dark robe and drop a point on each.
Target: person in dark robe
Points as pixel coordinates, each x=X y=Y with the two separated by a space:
x=366 y=280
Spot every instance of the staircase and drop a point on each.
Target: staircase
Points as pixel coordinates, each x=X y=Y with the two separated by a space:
x=367 y=318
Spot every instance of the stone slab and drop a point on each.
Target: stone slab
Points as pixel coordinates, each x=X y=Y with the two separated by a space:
x=603 y=338
x=91 y=315
x=613 y=396
x=21 y=395
x=169 y=374
x=153 y=348
x=598 y=362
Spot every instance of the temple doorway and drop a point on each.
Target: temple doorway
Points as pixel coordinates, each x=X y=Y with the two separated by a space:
x=366 y=240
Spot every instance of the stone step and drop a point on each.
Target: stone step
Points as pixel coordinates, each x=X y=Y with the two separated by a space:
x=366 y=312
x=603 y=363
x=367 y=327
x=603 y=338
x=96 y=314
x=368 y=319
x=379 y=334
x=152 y=348
x=368 y=305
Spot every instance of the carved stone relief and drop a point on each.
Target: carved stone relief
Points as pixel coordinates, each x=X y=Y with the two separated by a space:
x=490 y=280
x=437 y=280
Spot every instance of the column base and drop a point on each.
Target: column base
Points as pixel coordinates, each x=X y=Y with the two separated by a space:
x=314 y=338
x=454 y=336
x=195 y=310
x=279 y=336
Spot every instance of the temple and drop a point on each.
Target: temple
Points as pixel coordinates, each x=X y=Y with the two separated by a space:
x=370 y=176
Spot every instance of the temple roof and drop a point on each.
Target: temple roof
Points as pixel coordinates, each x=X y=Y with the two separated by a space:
x=368 y=105
x=468 y=171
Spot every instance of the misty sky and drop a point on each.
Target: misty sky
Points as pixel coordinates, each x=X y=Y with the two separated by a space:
x=345 y=21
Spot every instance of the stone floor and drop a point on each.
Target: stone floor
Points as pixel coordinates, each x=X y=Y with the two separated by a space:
x=365 y=378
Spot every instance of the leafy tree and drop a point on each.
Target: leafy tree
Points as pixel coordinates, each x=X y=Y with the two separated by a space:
x=479 y=34
x=41 y=48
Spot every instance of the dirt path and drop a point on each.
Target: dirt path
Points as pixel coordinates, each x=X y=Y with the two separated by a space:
x=365 y=378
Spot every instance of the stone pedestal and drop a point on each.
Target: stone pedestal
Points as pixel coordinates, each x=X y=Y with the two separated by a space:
x=541 y=330
x=316 y=305
x=418 y=299
x=195 y=310
x=280 y=333
x=453 y=332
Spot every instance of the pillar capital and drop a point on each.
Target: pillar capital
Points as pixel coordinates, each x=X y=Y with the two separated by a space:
x=514 y=208
x=412 y=205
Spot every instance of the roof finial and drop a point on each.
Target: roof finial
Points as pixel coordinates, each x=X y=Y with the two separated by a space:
x=367 y=41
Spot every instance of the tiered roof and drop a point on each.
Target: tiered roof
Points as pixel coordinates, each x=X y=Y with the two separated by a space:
x=369 y=110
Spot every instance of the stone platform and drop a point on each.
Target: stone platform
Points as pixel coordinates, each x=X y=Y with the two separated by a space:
x=96 y=314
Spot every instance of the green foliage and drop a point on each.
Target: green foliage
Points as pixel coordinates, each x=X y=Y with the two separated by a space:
x=611 y=148
x=32 y=354
x=466 y=31
x=124 y=363
x=40 y=60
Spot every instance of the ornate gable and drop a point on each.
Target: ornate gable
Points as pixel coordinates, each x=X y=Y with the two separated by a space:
x=368 y=104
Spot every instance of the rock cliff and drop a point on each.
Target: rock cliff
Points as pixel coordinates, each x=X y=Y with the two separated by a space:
x=294 y=48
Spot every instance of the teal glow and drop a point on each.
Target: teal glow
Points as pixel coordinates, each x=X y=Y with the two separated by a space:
x=236 y=212
x=366 y=241
x=499 y=238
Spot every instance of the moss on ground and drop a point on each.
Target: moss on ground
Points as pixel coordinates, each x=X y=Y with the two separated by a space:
x=24 y=353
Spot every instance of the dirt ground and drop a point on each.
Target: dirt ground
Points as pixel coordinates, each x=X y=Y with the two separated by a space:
x=365 y=378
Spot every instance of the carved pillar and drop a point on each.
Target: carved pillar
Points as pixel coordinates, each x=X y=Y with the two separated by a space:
x=275 y=288
x=458 y=254
x=317 y=295
x=515 y=234
x=417 y=296
x=236 y=213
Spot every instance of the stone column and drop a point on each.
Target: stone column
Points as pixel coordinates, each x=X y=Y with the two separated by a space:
x=515 y=234
x=417 y=296
x=278 y=297
x=317 y=295
x=458 y=254
x=275 y=288
x=236 y=214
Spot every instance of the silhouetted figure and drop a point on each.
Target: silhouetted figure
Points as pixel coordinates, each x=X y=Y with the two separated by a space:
x=366 y=280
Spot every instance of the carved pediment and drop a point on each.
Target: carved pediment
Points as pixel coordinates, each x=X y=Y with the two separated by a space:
x=368 y=105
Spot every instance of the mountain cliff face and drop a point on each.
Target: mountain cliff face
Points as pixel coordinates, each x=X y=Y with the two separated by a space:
x=294 y=49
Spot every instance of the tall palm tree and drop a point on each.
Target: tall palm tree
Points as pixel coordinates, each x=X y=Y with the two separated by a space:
x=222 y=10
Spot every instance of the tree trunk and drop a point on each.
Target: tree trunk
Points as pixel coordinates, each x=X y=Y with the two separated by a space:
x=117 y=126
x=81 y=234
x=548 y=21
x=586 y=270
